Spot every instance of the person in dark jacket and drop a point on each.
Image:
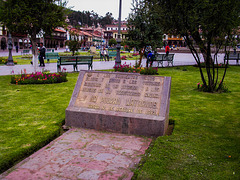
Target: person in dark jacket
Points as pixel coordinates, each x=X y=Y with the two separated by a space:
x=150 y=58
x=42 y=55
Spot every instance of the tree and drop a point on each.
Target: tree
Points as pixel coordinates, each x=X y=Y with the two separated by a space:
x=31 y=17
x=74 y=44
x=107 y=19
x=112 y=42
x=78 y=18
x=143 y=28
x=204 y=24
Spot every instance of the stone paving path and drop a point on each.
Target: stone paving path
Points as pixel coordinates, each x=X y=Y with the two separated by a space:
x=83 y=154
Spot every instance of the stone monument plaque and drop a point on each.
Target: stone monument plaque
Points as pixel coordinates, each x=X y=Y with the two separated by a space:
x=127 y=103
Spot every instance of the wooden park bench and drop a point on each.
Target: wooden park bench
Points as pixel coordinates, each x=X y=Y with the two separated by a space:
x=111 y=52
x=52 y=55
x=25 y=51
x=232 y=56
x=49 y=50
x=160 y=58
x=75 y=61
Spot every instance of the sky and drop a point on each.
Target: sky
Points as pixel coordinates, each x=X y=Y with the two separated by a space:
x=101 y=7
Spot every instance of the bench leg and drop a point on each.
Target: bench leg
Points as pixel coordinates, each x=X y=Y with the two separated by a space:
x=170 y=62
x=75 y=67
x=161 y=62
x=90 y=66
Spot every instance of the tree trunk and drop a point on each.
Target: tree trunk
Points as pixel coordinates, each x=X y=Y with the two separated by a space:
x=34 y=51
x=141 y=53
x=196 y=57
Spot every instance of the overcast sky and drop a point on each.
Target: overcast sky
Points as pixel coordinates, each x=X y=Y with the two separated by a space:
x=101 y=7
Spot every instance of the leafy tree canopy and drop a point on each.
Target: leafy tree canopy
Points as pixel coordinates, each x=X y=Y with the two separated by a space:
x=112 y=42
x=144 y=29
x=31 y=16
x=78 y=18
x=203 y=23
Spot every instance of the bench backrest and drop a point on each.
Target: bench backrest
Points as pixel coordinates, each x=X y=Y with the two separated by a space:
x=170 y=56
x=232 y=56
x=67 y=59
x=52 y=55
x=159 y=57
x=85 y=58
x=112 y=53
x=112 y=49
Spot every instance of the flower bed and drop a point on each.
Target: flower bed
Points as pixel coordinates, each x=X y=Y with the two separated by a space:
x=128 y=68
x=39 y=78
x=4 y=60
x=135 y=54
x=124 y=58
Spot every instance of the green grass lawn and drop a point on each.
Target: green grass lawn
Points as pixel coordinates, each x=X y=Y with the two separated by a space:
x=205 y=143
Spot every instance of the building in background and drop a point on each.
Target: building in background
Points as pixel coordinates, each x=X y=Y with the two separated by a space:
x=56 y=39
x=173 y=40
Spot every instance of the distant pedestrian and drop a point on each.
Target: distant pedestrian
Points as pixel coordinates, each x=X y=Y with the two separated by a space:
x=16 y=48
x=167 y=49
x=42 y=51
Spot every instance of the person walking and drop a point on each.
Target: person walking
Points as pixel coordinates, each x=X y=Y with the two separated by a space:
x=167 y=49
x=42 y=51
x=16 y=48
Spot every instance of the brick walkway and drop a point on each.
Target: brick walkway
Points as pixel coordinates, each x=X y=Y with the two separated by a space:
x=83 y=154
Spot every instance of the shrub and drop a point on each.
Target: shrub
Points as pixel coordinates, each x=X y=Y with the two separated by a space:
x=136 y=69
x=222 y=87
x=39 y=78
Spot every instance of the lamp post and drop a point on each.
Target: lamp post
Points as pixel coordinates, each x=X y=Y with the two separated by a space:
x=92 y=34
x=118 y=59
x=10 y=47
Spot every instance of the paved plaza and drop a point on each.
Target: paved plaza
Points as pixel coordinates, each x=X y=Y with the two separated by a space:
x=180 y=59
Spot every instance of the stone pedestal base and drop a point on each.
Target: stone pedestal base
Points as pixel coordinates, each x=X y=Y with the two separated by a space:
x=126 y=103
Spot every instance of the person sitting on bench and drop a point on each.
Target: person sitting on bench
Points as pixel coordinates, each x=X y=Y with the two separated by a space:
x=104 y=53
